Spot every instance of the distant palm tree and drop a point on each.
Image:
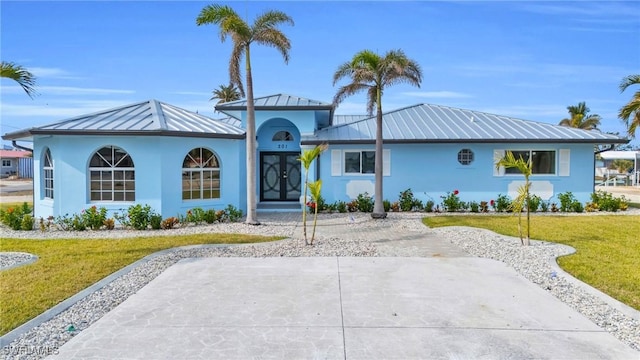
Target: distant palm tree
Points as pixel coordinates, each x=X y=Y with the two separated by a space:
x=630 y=113
x=226 y=93
x=23 y=77
x=372 y=73
x=580 y=117
x=264 y=31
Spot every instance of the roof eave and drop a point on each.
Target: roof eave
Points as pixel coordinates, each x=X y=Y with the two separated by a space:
x=222 y=108
x=467 y=141
x=135 y=133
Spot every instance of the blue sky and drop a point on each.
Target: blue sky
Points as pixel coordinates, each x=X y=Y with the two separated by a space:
x=528 y=60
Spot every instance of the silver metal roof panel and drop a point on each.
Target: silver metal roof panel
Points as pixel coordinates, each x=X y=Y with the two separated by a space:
x=437 y=123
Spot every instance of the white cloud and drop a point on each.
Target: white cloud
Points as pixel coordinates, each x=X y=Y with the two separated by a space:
x=66 y=90
x=56 y=73
x=437 y=94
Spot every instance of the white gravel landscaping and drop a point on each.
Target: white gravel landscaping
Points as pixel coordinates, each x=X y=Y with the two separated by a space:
x=533 y=263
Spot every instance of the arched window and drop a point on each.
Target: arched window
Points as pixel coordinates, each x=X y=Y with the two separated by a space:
x=112 y=175
x=282 y=136
x=47 y=175
x=200 y=175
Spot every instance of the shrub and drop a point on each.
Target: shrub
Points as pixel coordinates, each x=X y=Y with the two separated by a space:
x=77 y=223
x=94 y=218
x=321 y=204
x=109 y=224
x=566 y=201
x=502 y=203
x=169 y=223
x=406 y=200
x=606 y=202
x=27 y=222
x=474 y=206
x=451 y=202
x=341 y=206
x=352 y=206
x=554 y=207
x=13 y=216
x=195 y=216
x=591 y=207
x=534 y=203
x=210 y=216
x=46 y=225
x=544 y=206
x=576 y=206
x=234 y=214
x=394 y=206
x=484 y=206
x=155 y=220
x=364 y=202
x=428 y=206
x=139 y=216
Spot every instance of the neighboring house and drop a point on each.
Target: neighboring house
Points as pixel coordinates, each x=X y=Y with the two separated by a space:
x=15 y=162
x=174 y=160
x=609 y=172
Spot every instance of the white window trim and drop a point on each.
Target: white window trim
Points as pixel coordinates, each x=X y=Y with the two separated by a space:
x=337 y=162
x=201 y=171
x=112 y=168
x=46 y=168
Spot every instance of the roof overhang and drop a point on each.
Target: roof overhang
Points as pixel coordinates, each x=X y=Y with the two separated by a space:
x=467 y=141
x=25 y=135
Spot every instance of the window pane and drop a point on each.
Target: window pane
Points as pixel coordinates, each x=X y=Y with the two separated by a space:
x=543 y=162
x=517 y=155
x=118 y=196
x=130 y=196
x=352 y=162
x=368 y=162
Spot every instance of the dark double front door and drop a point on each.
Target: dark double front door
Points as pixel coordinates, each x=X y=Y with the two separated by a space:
x=280 y=176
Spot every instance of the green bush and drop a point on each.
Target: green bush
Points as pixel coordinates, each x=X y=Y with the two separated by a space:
x=502 y=203
x=27 y=222
x=94 y=218
x=428 y=206
x=13 y=216
x=406 y=200
x=139 y=216
x=544 y=206
x=210 y=216
x=474 y=206
x=607 y=202
x=234 y=214
x=195 y=216
x=576 y=206
x=155 y=221
x=341 y=206
x=364 y=202
x=451 y=202
x=566 y=201
x=534 y=203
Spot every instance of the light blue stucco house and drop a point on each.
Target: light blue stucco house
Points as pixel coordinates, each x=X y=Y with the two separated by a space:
x=174 y=160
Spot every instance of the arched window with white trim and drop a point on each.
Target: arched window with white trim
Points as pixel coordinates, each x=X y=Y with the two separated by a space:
x=112 y=175
x=47 y=175
x=200 y=175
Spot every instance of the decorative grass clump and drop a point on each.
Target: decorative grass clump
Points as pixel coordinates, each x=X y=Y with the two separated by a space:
x=607 y=247
x=67 y=266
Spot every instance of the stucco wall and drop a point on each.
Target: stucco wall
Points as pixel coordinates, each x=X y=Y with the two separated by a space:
x=431 y=170
x=158 y=164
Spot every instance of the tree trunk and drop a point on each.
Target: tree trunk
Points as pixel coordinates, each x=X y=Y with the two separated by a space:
x=304 y=207
x=378 y=206
x=251 y=147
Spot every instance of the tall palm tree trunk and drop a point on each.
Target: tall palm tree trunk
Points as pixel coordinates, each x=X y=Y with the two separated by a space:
x=378 y=206
x=251 y=147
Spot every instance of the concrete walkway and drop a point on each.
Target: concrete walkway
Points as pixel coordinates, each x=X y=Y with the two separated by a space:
x=444 y=305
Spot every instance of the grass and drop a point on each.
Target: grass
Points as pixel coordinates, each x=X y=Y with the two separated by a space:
x=67 y=266
x=607 y=247
x=5 y=206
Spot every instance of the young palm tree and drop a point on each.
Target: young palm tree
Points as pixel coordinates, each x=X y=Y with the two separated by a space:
x=630 y=113
x=23 y=77
x=523 y=199
x=580 y=117
x=372 y=73
x=226 y=93
x=306 y=158
x=315 y=190
x=264 y=31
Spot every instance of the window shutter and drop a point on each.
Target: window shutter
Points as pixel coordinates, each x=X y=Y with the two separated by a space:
x=386 y=162
x=564 y=162
x=497 y=155
x=336 y=162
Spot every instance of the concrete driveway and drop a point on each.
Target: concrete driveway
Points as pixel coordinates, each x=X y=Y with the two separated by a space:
x=343 y=308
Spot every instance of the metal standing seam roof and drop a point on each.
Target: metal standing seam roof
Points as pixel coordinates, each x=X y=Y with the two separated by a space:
x=276 y=102
x=150 y=117
x=436 y=123
x=347 y=119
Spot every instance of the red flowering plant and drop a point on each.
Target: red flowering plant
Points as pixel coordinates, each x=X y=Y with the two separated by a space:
x=93 y=217
x=451 y=202
x=311 y=205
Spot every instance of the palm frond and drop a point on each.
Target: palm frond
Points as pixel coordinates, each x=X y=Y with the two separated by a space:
x=271 y=19
x=275 y=39
x=628 y=81
x=24 y=78
x=235 y=77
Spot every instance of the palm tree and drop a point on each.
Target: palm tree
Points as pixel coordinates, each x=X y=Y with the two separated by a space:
x=372 y=73
x=524 y=196
x=315 y=190
x=226 y=93
x=264 y=31
x=630 y=113
x=306 y=158
x=23 y=77
x=580 y=117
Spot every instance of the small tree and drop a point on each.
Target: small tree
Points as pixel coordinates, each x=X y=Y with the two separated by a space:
x=306 y=158
x=315 y=189
x=523 y=198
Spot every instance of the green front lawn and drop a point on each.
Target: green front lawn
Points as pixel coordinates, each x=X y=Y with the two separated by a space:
x=607 y=247
x=66 y=266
